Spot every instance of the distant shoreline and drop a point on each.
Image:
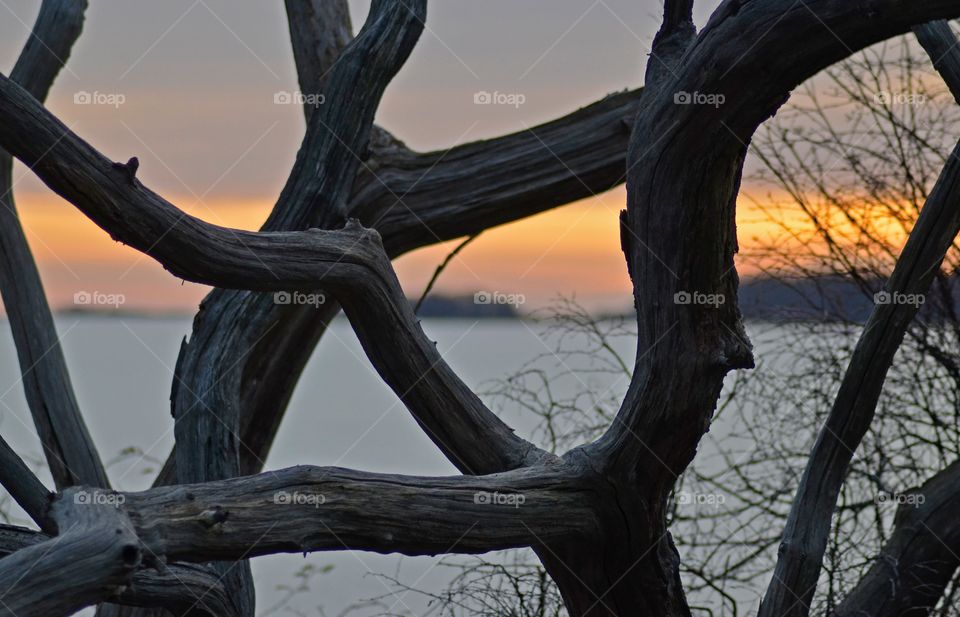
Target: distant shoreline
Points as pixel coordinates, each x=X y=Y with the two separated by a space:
x=822 y=299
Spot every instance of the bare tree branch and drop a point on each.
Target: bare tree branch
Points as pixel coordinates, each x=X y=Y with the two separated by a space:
x=182 y=588
x=24 y=486
x=67 y=445
x=921 y=557
x=940 y=44
x=415 y=200
x=319 y=183
x=92 y=558
x=807 y=527
x=325 y=508
x=13 y=538
x=444 y=195
x=105 y=535
x=319 y=31
x=194 y=590
x=676 y=34
x=679 y=235
x=439 y=270
x=806 y=531
x=679 y=229
x=350 y=263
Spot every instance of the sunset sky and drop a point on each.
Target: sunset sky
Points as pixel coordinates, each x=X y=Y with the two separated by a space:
x=195 y=81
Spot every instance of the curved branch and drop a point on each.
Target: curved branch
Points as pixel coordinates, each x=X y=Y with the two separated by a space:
x=68 y=448
x=808 y=524
x=679 y=230
x=516 y=175
x=415 y=200
x=182 y=589
x=350 y=263
x=915 y=566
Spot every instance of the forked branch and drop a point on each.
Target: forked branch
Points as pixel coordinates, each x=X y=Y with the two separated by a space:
x=350 y=263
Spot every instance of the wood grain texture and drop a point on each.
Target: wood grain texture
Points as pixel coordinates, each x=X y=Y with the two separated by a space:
x=445 y=194
x=597 y=516
x=67 y=446
x=105 y=536
x=317 y=508
x=319 y=31
x=25 y=488
x=92 y=558
x=182 y=589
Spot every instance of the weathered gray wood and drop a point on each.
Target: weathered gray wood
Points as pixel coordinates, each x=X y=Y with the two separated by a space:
x=807 y=529
x=104 y=535
x=93 y=557
x=67 y=446
x=182 y=589
x=319 y=31
x=325 y=508
x=679 y=236
x=350 y=262
x=677 y=32
x=597 y=517
x=24 y=486
x=446 y=195
x=921 y=557
x=13 y=538
x=208 y=436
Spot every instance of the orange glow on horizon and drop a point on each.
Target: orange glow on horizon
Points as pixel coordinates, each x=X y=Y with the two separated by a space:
x=573 y=250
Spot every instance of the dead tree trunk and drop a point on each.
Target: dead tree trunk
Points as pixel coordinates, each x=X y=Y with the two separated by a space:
x=597 y=516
